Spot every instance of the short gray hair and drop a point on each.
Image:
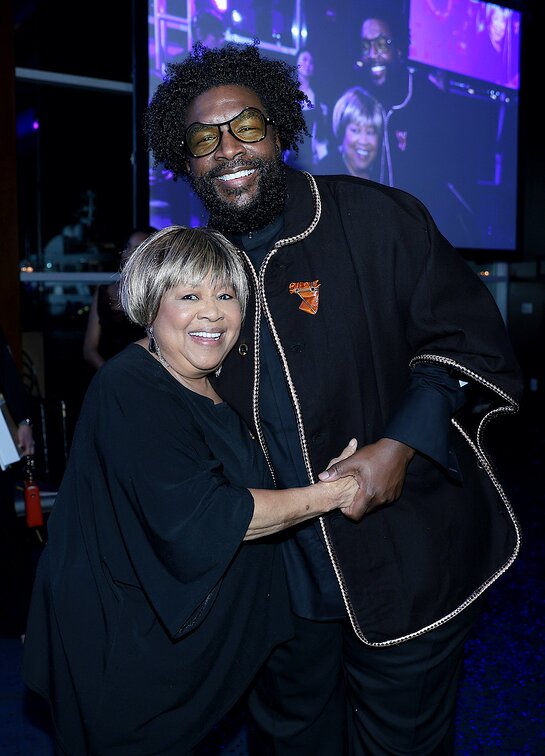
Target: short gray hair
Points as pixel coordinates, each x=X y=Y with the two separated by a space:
x=354 y=106
x=173 y=256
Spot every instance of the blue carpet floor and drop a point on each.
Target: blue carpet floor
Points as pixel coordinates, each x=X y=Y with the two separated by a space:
x=501 y=708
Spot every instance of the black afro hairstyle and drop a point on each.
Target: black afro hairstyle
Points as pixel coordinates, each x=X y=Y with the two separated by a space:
x=274 y=81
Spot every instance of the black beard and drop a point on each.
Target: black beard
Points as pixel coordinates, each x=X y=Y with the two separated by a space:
x=262 y=210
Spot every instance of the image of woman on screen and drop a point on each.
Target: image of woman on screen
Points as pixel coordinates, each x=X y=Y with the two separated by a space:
x=493 y=49
x=358 y=130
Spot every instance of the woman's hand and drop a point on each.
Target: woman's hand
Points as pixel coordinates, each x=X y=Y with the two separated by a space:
x=344 y=488
x=276 y=510
x=346 y=452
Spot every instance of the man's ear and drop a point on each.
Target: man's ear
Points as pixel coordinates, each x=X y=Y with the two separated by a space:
x=187 y=165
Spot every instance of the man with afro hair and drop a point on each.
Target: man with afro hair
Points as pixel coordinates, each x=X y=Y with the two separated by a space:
x=422 y=151
x=363 y=322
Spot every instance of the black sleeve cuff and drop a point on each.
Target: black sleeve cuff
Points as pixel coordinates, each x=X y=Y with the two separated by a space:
x=423 y=418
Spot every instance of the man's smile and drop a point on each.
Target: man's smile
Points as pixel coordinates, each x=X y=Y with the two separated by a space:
x=236 y=174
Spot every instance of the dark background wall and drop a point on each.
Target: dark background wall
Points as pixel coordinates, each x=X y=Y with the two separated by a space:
x=85 y=137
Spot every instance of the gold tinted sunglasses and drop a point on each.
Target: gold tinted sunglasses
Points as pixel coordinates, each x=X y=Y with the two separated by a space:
x=249 y=126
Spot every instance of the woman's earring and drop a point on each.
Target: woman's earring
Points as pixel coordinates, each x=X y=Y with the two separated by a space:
x=218 y=371
x=152 y=346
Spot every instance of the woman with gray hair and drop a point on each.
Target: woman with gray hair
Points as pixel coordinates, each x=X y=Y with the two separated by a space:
x=160 y=592
x=358 y=127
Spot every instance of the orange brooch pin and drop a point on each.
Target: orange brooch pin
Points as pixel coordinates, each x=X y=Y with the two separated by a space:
x=309 y=293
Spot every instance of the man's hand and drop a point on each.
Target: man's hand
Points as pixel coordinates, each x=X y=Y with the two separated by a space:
x=379 y=469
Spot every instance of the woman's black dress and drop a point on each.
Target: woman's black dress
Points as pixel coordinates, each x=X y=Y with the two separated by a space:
x=150 y=616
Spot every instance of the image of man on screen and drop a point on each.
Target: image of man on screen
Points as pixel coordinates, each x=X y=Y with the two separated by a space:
x=419 y=149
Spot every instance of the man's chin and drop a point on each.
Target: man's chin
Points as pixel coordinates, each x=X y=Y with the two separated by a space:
x=242 y=209
x=239 y=215
x=239 y=196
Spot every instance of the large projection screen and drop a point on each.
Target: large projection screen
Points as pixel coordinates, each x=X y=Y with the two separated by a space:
x=457 y=150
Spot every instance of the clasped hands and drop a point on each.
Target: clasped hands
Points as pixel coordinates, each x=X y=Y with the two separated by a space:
x=379 y=470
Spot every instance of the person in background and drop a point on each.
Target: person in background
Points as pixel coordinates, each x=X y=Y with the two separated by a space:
x=15 y=558
x=363 y=322
x=358 y=129
x=108 y=328
x=209 y=28
x=161 y=590
x=316 y=113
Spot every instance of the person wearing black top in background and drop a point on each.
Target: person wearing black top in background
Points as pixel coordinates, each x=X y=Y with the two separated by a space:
x=317 y=117
x=15 y=557
x=108 y=329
